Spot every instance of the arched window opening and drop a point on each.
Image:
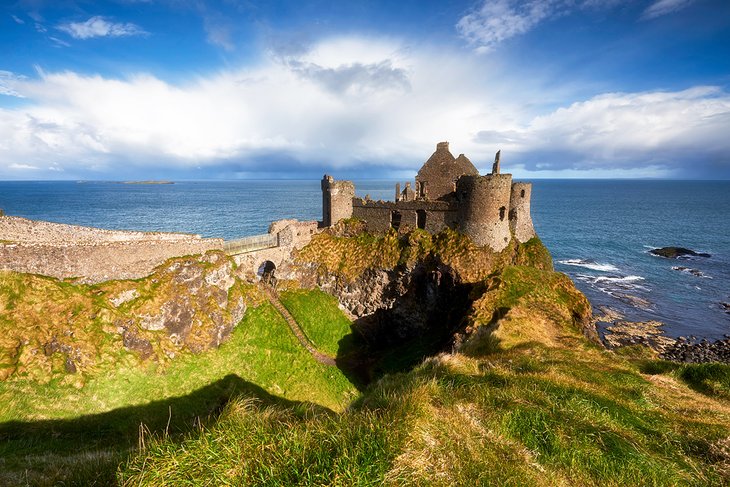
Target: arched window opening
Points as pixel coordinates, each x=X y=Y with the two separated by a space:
x=502 y=210
x=522 y=193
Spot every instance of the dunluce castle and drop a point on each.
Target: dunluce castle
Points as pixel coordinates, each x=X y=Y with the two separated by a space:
x=449 y=192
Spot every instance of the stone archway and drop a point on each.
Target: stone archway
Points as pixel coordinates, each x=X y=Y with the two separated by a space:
x=266 y=272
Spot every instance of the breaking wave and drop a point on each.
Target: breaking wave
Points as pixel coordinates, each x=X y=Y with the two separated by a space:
x=590 y=264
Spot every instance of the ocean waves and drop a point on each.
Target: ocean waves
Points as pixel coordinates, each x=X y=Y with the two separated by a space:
x=590 y=264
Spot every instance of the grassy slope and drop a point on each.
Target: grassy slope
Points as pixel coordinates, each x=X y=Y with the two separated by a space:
x=533 y=403
x=318 y=315
x=261 y=358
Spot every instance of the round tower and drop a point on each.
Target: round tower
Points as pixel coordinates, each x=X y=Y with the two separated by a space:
x=520 y=220
x=483 y=209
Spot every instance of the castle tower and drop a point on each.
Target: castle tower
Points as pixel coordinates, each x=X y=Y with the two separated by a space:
x=483 y=209
x=336 y=200
x=520 y=220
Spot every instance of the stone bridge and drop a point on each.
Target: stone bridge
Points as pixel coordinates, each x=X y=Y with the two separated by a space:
x=252 y=253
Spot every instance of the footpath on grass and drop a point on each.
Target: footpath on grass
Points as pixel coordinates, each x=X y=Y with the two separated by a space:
x=295 y=328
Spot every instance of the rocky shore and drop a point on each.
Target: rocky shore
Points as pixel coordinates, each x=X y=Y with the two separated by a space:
x=622 y=333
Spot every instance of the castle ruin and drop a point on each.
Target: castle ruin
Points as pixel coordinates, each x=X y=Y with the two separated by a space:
x=449 y=193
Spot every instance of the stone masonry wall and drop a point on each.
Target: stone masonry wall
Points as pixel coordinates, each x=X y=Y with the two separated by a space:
x=377 y=214
x=336 y=200
x=90 y=254
x=483 y=209
x=520 y=219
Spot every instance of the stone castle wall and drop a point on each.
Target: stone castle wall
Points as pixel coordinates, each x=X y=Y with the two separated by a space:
x=435 y=215
x=90 y=254
x=336 y=200
x=520 y=218
x=483 y=209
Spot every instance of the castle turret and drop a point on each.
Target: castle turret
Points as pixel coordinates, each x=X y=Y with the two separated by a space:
x=483 y=209
x=336 y=200
x=520 y=220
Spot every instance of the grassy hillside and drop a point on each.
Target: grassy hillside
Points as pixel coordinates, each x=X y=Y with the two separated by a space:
x=530 y=401
x=58 y=425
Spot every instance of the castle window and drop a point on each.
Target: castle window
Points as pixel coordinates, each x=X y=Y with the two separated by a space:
x=395 y=218
x=522 y=193
x=421 y=218
x=502 y=210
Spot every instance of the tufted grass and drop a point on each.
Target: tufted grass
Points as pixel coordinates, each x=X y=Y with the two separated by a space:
x=540 y=405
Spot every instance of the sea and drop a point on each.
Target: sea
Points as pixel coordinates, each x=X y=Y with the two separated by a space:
x=599 y=232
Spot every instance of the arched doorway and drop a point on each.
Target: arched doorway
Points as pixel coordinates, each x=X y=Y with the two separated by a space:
x=266 y=273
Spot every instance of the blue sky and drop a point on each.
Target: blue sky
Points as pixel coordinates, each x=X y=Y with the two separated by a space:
x=187 y=89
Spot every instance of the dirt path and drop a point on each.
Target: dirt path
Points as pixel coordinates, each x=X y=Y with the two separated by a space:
x=295 y=328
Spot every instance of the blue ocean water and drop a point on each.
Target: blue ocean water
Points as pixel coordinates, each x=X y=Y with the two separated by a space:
x=598 y=231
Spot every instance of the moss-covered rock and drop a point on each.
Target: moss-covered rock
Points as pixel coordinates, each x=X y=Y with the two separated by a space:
x=55 y=329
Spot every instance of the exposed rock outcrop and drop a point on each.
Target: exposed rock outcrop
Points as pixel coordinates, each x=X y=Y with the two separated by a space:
x=676 y=252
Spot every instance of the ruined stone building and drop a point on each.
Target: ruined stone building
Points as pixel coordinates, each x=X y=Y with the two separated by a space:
x=449 y=192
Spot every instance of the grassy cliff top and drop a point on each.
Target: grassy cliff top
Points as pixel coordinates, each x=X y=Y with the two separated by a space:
x=528 y=401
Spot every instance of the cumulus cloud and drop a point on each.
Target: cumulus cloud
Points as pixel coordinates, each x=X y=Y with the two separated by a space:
x=349 y=104
x=98 y=26
x=626 y=131
x=664 y=7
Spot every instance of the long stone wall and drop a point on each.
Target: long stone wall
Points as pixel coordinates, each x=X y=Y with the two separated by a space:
x=436 y=215
x=90 y=254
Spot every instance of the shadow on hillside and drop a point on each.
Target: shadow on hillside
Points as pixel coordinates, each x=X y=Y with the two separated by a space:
x=32 y=444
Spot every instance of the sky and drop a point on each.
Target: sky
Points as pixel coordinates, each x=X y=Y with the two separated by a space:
x=188 y=89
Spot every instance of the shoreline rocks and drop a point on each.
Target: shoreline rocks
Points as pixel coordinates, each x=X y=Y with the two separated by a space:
x=622 y=333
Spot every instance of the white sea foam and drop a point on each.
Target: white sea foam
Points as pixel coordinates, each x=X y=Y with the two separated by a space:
x=618 y=279
x=590 y=264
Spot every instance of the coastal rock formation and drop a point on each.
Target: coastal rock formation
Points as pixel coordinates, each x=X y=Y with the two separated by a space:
x=440 y=291
x=676 y=252
x=188 y=304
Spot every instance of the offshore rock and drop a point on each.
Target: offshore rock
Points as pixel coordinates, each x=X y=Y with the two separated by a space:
x=676 y=252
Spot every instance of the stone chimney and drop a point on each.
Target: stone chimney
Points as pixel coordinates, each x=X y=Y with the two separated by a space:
x=442 y=146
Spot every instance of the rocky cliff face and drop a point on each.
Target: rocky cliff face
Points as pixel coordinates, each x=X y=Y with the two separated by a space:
x=439 y=289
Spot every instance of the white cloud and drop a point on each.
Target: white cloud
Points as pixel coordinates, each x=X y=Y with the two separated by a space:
x=346 y=103
x=23 y=167
x=7 y=82
x=495 y=21
x=17 y=19
x=98 y=26
x=664 y=7
x=498 y=20
x=623 y=131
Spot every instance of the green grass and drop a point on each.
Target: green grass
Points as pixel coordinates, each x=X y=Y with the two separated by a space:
x=319 y=317
x=516 y=417
x=261 y=359
x=540 y=405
